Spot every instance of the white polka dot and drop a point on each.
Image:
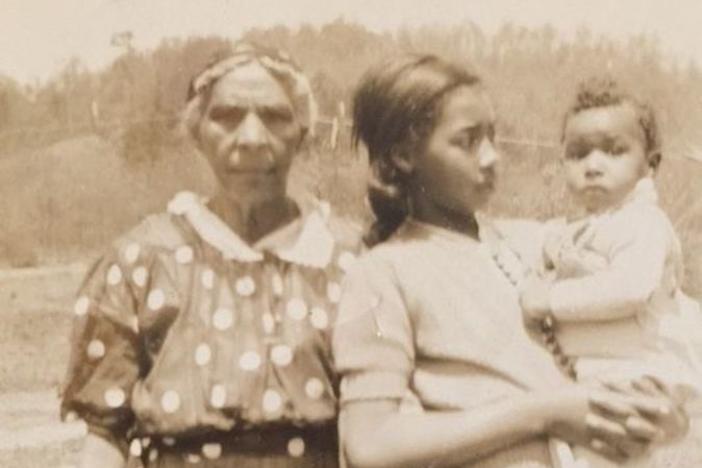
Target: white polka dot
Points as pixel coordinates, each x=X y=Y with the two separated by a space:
x=314 y=388
x=245 y=286
x=281 y=355
x=212 y=451
x=184 y=254
x=268 y=322
x=223 y=318
x=193 y=458
x=346 y=260
x=277 y=284
x=272 y=401
x=203 y=354
x=71 y=416
x=114 y=275
x=145 y=441
x=333 y=291
x=170 y=401
x=169 y=441
x=218 y=396
x=296 y=447
x=131 y=253
x=135 y=448
x=156 y=299
x=153 y=454
x=139 y=276
x=296 y=309
x=81 y=306
x=207 y=279
x=115 y=397
x=250 y=361
x=96 y=349
x=319 y=318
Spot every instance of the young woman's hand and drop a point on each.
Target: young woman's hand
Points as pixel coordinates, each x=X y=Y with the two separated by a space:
x=607 y=422
x=534 y=299
x=668 y=414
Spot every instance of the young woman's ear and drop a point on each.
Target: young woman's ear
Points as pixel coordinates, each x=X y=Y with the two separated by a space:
x=402 y=161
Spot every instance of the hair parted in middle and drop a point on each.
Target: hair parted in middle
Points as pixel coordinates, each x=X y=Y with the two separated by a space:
x=277 y=62
x=395 y=109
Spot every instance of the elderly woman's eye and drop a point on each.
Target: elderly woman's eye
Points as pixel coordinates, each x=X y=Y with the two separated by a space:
x=227 y=115
x=276 y=115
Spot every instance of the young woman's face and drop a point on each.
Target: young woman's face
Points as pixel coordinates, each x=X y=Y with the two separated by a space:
x=605 y=155
x=455 y=174
x=249 y=132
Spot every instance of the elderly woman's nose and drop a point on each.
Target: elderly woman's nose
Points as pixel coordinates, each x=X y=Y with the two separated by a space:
x=488 y=155
x=251 y=131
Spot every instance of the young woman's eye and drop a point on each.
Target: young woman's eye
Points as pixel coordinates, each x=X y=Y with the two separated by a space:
x=468 y=138
x=490 y=133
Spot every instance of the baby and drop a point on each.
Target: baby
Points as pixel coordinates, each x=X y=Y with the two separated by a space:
x=612 y=283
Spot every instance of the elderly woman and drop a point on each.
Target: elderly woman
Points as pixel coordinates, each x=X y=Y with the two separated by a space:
x=201 y=335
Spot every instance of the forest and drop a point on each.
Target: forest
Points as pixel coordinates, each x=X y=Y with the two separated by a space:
x=89 y=142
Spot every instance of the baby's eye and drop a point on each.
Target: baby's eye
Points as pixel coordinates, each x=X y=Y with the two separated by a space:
x=618 y=150
x=577 y=152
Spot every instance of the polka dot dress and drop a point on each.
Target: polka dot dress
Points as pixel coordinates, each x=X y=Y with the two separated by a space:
x=174 y=334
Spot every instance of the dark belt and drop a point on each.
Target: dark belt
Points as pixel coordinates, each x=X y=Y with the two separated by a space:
x=268 y=440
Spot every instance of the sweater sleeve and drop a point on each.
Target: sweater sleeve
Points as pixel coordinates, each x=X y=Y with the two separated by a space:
x=637 y=256
x=373 y=339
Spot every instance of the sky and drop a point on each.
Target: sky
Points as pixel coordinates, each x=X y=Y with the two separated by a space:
x=39 y=37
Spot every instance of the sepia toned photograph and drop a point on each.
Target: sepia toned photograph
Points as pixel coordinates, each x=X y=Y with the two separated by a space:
x=339 y=234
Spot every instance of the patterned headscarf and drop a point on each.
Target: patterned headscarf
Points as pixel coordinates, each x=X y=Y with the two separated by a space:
x=279 y=65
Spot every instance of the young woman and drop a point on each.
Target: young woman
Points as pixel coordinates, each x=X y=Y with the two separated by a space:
x=437 y=367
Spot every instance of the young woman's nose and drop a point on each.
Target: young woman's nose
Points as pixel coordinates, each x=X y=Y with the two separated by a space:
x=488 y=155
x=251 y=133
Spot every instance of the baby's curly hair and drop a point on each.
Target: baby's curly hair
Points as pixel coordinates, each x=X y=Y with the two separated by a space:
x=605 y=91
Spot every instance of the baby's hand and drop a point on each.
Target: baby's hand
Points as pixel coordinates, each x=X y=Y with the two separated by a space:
x=534 y=299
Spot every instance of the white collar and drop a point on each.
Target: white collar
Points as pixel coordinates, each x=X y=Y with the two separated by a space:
x=306 y=241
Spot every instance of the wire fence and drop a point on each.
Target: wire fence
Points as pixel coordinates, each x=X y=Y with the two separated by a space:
x=330 y=132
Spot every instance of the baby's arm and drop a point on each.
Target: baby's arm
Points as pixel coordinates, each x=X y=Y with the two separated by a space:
x=635 y=270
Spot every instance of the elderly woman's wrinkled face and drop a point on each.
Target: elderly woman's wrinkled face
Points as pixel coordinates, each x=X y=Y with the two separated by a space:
x=249 y=133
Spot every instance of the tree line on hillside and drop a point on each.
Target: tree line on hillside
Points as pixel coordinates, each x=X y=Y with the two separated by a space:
x=531 y=74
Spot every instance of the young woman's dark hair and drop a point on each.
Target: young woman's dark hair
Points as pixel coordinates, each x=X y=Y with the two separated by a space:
x=395 y=109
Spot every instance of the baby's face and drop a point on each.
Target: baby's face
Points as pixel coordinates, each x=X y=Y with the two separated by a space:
x=605 y=155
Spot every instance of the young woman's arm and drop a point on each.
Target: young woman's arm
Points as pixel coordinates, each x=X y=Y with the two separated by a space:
x=376 y=434
x=99 y=452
